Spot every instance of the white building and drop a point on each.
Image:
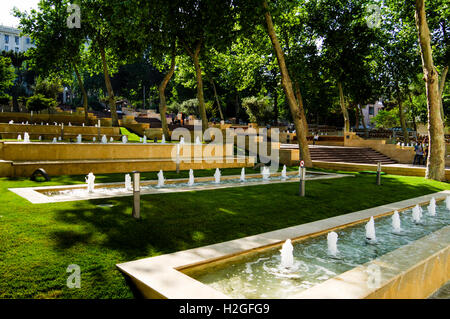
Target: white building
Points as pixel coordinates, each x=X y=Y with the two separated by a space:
x=371 y=110
x=10 y=40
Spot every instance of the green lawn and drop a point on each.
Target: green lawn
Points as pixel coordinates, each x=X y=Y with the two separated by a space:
x=38 y=242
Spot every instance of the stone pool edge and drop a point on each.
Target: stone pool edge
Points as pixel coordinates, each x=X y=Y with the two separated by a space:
x=162 y=276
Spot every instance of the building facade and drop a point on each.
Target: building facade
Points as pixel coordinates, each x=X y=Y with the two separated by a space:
x=10 y=40
x=371 y=110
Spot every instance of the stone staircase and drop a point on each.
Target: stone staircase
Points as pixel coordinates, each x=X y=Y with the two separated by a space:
x=360 y=155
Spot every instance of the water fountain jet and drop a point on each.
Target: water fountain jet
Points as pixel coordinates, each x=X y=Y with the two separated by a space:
x=90 y=178
x=161 y=179
x=432 y=207
x=191 y=177
x=128 y=185
x=370 y=230
x=242 y=178
x=332 y=239
x=396 y=222
x=287 y=256
x=217 y=176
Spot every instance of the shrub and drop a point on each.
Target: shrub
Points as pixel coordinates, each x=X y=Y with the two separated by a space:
x=259 y=110
x=5 y=99
x=39 y=102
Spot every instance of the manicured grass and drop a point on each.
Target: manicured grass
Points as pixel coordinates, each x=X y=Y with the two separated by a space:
x=132 y=137
x=38 y=242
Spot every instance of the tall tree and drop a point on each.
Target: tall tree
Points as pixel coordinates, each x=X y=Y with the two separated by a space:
x=47 y=26
x=436 y=157
x=200 y=25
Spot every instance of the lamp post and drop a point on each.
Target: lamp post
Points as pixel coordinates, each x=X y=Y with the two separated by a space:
x=301 y=191
x=136 y=195
x=379 y=173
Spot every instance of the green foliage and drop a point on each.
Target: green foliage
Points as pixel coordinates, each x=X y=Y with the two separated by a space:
x=190 y=107
x=7 y=74
x=386 y=119
x=39 y=102
x=5 y=99
x=49 y=88
x=259 y=110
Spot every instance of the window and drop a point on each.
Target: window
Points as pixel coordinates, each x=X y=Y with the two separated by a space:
x=6 y=38
x=27 y=40
x=6 y=48
x=371 y=110
x=16 y=39
x=16 y=49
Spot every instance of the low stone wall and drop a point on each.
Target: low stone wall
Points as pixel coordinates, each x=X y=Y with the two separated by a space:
x=5 y=117
x=402 y=154
x=394 y=170
x=19 y=151
x=13 y=130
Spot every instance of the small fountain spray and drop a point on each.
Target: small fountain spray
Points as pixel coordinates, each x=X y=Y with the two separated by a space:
x=396 y=222
x=370 y=230
x=217 y=176
x=283 y=172
x=124 y=139
x=111 y=139
x=182 y=140
x=432 y=207
x=163 y=139
x=90 y=178
x=191 y=177
x=447 y=202
x=104 y=139
x=26 y=138
x=144 y=140
x=128 y=185
x=94 y=139
x=79 y=138
x=160 y=179
x=265 y=172
x=242 y=178
x=287 y=256
x=197 y=141
x=332 y=239
x=55 y=140
x=19 y=137
x=416 y=214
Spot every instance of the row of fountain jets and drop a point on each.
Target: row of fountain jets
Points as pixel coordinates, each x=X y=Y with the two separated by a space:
x=287 y=257
x=265 y=172
x=104 y=139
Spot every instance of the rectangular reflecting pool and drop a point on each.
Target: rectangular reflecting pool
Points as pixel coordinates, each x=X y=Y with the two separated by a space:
x=261 y=275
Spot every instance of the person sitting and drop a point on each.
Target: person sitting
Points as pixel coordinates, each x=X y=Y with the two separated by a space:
x=418 y=158
x=315 y=138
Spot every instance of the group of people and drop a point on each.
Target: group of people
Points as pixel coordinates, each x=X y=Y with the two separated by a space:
x=421 y=150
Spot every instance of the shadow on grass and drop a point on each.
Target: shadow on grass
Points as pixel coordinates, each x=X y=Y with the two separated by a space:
x=179 y=221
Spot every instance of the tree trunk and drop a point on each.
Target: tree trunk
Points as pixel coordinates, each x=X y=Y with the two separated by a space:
x=363 y=121
x=357 y=116
x=217 y=98
x=236 y=103
x=162 y=96
x=297 y=116
x=299 y=97
x=195 y=55
x=401 y=114
x=83 y=93
x=275 y=106
x=344 y=108
x=412 y=106
x=441 y=90
x=111 y=100
x=436 y=155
